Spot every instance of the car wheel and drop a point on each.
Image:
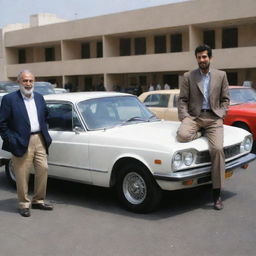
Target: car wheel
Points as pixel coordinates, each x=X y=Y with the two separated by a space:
x=243 y=126
x=137 y=190
x=9 y=171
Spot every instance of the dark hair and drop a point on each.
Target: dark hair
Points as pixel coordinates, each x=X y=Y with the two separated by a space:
x=204 y=47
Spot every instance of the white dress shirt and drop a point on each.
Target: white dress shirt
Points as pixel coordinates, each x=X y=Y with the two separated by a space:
x=32 y=112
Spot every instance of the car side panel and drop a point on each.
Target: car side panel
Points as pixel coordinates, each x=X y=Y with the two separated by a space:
x=234 y=116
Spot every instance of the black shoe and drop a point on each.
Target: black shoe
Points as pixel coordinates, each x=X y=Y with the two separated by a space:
x=25 y=212
x=46 y=207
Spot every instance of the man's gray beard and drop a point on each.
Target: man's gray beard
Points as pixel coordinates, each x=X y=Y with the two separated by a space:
x=26 y=92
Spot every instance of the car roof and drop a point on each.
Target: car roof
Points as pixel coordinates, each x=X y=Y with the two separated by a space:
x=238 y=87
x=80 y=96
x=175 y=91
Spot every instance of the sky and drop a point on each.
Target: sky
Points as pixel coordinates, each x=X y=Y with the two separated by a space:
x=19 y=11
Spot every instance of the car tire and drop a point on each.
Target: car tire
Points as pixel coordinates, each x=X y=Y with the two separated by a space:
x=137 y=190
x=9 y=172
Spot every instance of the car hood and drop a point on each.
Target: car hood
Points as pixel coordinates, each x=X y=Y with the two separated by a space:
x=160 y=136
x=246 y=107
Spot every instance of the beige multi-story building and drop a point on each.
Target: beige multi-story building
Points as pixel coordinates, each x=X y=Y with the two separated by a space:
x=134 y=48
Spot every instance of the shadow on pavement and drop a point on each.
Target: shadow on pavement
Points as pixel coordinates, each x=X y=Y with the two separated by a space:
x=61 y=192
x=9 y=205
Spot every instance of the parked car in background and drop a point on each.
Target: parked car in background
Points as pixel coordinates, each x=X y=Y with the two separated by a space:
x=60 y=90
x=163 y=103
x=1 y=96
x=43 y=88
x=4 y=84
x=242 y=109
x=112 y=140
x=241 y=113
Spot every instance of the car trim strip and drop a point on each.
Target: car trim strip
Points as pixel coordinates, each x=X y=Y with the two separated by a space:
x=75 y=167
x=203 y=171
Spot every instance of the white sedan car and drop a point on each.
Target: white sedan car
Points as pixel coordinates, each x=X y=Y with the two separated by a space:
x=111 y=139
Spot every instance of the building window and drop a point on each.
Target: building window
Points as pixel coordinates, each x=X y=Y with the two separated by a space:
x=49 y=54
x=99 y=49
x=176 y=43
x=232 y=78
x=22 y=55
x=88 y=83
x=142 y=80
x=85 y=50
x=172 y=80
x=160 y=44
x=229 y=37
x=209 y=38
x=125 y=46
x=140 y=45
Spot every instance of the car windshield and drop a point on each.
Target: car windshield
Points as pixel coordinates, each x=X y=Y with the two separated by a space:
x=242 y=95
x=102 y=113
x=44 y=89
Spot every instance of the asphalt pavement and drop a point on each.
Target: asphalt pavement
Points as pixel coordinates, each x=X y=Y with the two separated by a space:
x=88 y=220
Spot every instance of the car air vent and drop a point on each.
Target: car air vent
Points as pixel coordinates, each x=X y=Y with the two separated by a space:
x=204 y=157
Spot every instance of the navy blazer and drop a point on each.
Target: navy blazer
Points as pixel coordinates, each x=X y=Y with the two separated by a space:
x=15 y=127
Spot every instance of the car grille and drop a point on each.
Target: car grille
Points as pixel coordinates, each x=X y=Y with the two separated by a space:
x=204 y=157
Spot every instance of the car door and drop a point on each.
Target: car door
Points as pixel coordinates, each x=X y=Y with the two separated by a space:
x=68 y=153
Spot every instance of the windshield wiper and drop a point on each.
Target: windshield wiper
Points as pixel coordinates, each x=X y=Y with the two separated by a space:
x=153 y=117
x=135 y=118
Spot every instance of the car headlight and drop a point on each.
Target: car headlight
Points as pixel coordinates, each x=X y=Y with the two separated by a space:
x=177 y=160
x=183 y=159
x=188 y=158
x=246 y=145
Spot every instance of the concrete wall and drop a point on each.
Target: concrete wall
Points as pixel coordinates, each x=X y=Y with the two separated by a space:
x=172 y=15
x=189 y=18
x=247 y=35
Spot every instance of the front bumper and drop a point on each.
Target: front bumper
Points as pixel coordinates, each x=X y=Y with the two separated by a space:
x=203 y=172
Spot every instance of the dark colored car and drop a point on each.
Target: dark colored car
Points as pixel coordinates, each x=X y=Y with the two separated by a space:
x=4 y=85
x=43 y=88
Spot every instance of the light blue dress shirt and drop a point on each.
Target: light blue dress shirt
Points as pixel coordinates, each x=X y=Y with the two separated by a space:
x=206 y=78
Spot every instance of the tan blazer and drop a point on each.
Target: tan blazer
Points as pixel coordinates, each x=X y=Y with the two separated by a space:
x=191 y=94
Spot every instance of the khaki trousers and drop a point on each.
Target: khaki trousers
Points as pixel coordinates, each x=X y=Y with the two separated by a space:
x=213 y=126
x=36 y=155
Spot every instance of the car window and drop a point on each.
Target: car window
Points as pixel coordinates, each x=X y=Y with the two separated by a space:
x=157 y=100
x=112 y=111
x=62 y=117
x=242 y=95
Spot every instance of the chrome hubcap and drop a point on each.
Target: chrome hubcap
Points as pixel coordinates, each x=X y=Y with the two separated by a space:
x=134 y=188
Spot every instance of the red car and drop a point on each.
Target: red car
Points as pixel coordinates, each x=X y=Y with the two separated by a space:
x=242 y=109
